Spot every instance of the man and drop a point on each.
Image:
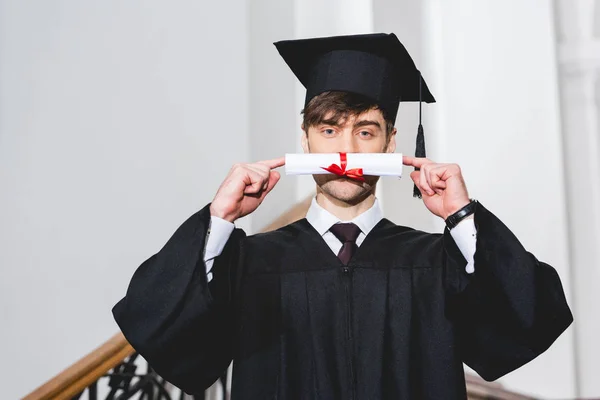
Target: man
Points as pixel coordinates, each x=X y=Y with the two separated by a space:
x=343 y=304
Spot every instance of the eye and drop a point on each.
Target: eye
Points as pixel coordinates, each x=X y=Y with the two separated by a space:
x=365 y=134
x=328 y=132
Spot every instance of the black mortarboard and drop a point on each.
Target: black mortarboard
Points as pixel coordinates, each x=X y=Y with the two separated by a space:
x=376 y=66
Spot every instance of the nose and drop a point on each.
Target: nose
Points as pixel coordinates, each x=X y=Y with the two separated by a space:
x=348 y=143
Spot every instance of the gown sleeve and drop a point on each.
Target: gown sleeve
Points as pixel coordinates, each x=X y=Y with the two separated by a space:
x=511 y=309
x=180 y=323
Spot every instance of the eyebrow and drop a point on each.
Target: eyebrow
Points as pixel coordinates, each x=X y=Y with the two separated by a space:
x=364 y=122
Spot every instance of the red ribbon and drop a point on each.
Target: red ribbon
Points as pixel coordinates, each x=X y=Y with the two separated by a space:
x=354 y=173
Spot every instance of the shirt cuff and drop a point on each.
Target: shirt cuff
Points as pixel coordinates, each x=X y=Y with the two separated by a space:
x=218 y=235
x=465 y=237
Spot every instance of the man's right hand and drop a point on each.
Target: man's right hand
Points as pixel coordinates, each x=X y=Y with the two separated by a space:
x=244 y=188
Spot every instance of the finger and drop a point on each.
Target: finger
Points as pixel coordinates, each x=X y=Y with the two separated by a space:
x=273 y=179
x=259 y=167
x=424 y=184
x=415 y=176
x=253 y=184
x=436 y=179
x=438 y=184
x=253 y=180
x=416 y=162
x=426 y=171
x=263 y=171
x=274 y=163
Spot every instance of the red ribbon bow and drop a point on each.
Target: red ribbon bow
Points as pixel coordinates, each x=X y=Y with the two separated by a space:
x=354 y=173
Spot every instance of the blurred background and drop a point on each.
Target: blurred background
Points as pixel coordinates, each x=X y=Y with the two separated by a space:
x=118 y=120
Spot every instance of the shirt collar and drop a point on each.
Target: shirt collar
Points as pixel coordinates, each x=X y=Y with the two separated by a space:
x=322 y=220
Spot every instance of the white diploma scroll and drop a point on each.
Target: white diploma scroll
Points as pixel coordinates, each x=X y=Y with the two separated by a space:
x=379 y=164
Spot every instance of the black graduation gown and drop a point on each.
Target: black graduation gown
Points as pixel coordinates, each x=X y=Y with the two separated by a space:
x=396 y=323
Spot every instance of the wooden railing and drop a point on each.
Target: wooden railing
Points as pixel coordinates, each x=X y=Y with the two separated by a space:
x=84 y=372
x=99 y=362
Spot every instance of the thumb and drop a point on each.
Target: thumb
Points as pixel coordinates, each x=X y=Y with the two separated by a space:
x=274 y=177
x=415 y=177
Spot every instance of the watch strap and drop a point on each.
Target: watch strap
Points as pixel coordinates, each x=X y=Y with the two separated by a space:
x=461 y=214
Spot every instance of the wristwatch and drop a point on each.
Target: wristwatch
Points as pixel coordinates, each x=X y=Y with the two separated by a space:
x=461 y=214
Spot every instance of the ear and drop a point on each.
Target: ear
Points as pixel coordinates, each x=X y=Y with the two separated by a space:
x=304 y=142
x=391 y=146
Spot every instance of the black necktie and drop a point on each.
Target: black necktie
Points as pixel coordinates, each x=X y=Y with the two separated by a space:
x=347 y=234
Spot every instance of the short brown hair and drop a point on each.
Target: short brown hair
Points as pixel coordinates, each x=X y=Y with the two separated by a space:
x=342 y=105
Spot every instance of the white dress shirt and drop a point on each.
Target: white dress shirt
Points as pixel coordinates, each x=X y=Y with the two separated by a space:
x=464 y=234
x=322 y=220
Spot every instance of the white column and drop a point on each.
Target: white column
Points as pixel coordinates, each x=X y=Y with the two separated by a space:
x=579 y=62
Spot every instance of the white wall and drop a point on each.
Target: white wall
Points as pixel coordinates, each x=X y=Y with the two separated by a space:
x=117 y=121
x=578 y=37
x=272 y=110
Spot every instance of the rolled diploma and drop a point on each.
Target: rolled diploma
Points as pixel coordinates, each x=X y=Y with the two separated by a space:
x=380 y=164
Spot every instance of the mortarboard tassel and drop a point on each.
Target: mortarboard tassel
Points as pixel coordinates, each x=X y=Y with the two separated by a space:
x=419 y=152
x=420 y=148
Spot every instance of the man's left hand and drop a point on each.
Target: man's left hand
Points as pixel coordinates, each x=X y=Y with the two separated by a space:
x=442 y=185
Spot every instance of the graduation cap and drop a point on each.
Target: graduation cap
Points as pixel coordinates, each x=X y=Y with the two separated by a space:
x=376 y=66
